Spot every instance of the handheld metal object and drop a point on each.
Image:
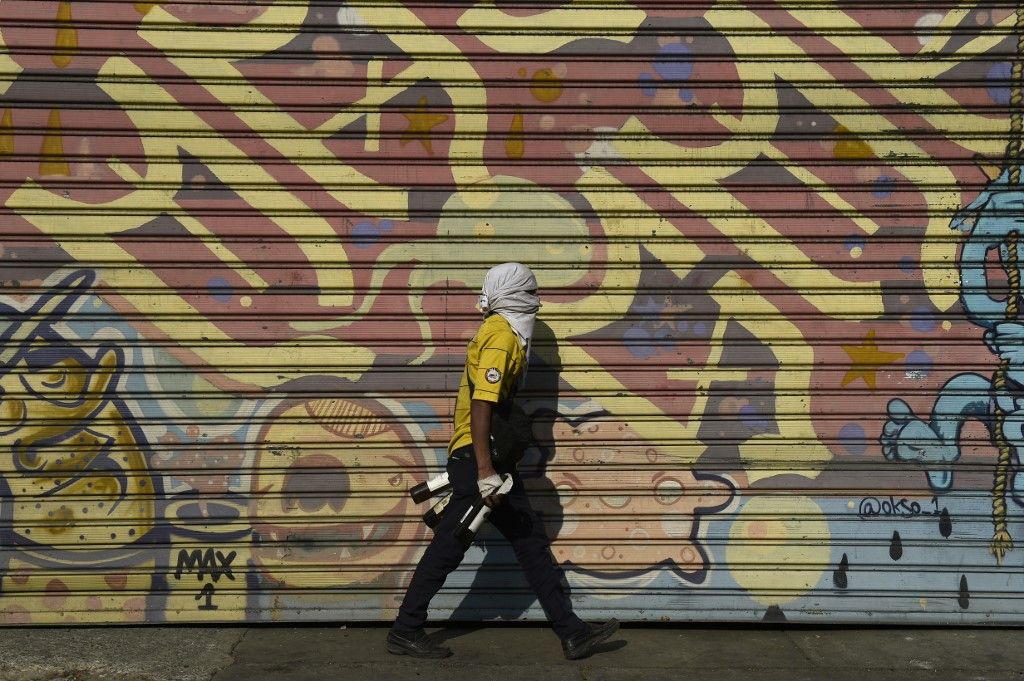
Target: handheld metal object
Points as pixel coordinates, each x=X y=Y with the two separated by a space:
x=475 y=516
x=432 y=517
x=430 y=488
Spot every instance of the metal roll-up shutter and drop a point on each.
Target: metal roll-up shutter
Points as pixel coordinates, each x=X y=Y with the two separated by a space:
x=776 y=374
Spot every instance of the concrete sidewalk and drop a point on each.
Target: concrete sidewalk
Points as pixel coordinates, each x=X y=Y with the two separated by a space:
x=509 y=653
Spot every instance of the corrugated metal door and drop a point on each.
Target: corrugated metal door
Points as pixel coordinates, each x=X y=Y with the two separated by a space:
x=778 y=248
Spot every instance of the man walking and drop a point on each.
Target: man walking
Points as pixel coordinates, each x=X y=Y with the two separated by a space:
x=495 y=367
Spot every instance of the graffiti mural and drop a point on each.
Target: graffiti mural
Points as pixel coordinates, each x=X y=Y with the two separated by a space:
x=992 y=223
x=78 y=480
x=240 y=251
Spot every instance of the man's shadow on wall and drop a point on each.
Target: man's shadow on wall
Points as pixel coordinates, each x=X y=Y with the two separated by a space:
x=499 y=590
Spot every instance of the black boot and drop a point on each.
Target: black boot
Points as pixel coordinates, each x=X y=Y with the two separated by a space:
x=415 y=644
x=581 y=645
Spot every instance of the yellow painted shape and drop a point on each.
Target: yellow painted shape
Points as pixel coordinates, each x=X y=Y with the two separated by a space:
x=514 y=145
x=626 y=219
x=886 y=61
x=778 y=547
x=234 y=175
x=638 y=143
x=849 y=146
x=281 y=361
x=10 y=68
x=298 y=357
x=882 y=62
x=867 y=360
x=943 y=31
x=288 y=360
x=165 y=199
x=374 y=79
x=815 y=283
x=851 y=111
x=469 y=104
x=52 y=160
x=548 y=31
x=248 y=180
x=617 y=207
x=507 y=230
x=304 y=151
x=66 y=43
x=220 y=406
x=594 y=383
x=262 y=114
x=421 y=123
x=545 y=86
x=7 y=133
x=712 y=170
x=79 y=592
x=737 y=299
x=269 y=31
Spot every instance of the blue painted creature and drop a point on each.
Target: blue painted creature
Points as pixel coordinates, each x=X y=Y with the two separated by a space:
x=988 y=223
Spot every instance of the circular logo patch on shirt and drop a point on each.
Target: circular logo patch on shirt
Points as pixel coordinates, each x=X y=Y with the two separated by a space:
x=492 y=375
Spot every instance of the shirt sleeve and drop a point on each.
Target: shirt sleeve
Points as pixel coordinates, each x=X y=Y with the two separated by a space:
x=494 y=374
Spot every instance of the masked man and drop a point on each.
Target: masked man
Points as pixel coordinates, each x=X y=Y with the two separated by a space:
x=495 y=367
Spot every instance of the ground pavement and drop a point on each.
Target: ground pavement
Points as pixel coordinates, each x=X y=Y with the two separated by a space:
x=505 y=652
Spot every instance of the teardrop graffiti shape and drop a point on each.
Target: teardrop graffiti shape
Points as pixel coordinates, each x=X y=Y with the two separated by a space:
x=52 y=160
x=7 y=133
x=514 y=145
x=945 y=523
x=965 y=595
x=896 y=546
x=65 y=45
x=839 y=578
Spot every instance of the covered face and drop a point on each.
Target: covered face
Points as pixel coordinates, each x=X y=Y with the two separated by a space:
x=510 y=290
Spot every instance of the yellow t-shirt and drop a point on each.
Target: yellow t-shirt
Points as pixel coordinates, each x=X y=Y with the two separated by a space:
x=494 y=360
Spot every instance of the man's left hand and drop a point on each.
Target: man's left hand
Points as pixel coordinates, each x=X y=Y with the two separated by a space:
x=487 y=486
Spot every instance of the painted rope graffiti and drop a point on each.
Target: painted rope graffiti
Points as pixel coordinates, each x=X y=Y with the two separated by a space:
x=240 y=250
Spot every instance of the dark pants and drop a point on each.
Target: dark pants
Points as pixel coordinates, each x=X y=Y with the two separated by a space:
x=518 y=522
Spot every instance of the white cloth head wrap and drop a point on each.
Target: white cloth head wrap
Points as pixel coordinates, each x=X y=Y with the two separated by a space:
x=506 y=291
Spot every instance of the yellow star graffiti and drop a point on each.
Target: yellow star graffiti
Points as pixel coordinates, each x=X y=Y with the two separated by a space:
x=421 y=123
x=866 y=360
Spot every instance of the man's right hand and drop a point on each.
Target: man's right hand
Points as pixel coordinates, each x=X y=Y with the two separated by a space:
x=487 y=483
